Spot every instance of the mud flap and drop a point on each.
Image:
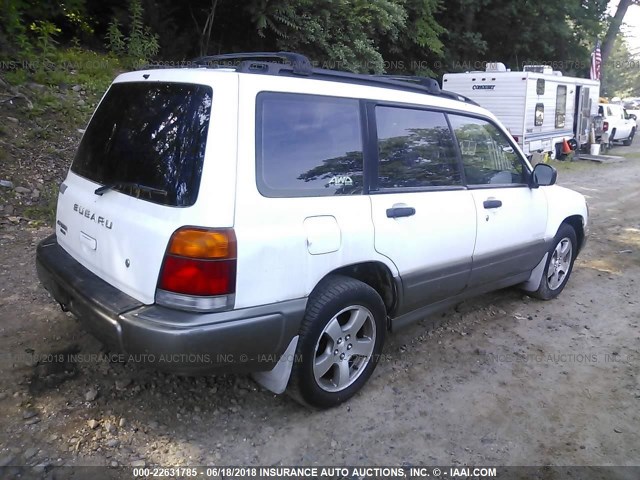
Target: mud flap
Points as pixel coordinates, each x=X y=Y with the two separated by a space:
x=533 y=283
x=277 y=378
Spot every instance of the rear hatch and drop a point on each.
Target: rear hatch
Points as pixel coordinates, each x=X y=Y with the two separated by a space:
x=134 y=179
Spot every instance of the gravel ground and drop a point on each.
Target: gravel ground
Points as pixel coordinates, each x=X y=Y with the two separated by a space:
x=504 y=380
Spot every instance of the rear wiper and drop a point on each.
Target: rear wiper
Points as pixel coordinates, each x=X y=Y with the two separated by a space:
x=134 y=186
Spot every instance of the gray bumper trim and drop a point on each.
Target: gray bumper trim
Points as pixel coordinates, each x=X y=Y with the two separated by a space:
x=244 y=340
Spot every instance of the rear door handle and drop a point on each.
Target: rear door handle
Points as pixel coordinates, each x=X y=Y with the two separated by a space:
x=396 y=212
x=492 y=203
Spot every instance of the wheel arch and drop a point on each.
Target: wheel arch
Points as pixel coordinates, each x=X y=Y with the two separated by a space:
x=577 y=223
x=375 y=274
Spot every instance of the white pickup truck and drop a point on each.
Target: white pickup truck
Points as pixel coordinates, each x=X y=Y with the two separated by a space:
x=617 y=123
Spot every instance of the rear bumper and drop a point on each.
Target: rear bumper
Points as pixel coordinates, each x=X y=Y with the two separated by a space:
x=245 y=340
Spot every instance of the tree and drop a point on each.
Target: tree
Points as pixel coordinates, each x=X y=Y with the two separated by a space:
x=614 y=28
x=547 y=31
x=339 y=34
x=619 y=79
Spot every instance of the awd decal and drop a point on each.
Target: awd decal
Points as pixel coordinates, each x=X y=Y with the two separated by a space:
x=339 y=180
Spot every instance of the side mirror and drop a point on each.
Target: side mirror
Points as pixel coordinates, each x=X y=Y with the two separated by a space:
x=543 y=175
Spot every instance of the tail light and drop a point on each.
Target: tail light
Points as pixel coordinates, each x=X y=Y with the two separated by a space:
x=199 y=270
x=605 y=126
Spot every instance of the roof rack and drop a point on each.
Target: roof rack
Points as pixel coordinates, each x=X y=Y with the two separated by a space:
x=299 y=65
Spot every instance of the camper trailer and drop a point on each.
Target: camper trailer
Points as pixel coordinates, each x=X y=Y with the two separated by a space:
x=540 y=107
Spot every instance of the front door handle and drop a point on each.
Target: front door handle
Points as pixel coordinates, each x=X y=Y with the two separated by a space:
x=396 y=212
x=492 y=203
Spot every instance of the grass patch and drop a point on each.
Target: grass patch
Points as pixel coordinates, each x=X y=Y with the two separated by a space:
x=574 y=166
x=627 y=154
x=44 y=213
x=61 y=70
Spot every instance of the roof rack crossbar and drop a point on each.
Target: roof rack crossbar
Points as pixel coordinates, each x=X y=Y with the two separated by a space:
x=299 y=63
x=426 y=82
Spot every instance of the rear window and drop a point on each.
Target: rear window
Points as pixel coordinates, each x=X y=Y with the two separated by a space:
x=148 y=140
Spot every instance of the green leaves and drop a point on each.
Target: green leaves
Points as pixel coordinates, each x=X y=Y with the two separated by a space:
x=347 y=35
x=141 y=44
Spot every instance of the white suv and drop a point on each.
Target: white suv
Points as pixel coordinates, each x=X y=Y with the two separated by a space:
x=277 y=219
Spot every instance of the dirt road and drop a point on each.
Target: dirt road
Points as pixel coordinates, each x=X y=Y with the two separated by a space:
x=506 y=380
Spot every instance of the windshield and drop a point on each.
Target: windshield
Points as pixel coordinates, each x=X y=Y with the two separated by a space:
x=148 y=134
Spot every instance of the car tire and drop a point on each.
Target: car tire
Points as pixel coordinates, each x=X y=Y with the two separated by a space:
x=612 y=138
x=343 y=316
x=629 y=140
x=559 y=265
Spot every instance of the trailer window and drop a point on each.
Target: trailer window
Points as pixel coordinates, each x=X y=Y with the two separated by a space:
x=561 y=105
x=540 y=86
x=539 y=118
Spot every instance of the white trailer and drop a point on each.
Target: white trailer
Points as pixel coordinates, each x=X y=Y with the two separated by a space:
x=540 y=107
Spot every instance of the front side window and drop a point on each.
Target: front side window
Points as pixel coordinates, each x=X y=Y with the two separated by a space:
x=308 y=145
x=487 y=154
x=561 y=105
x=415 y=148
x=151 y=135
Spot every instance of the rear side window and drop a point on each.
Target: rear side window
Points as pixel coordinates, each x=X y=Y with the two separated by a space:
x=308 y=145
x=151 y=135
x=416 y=149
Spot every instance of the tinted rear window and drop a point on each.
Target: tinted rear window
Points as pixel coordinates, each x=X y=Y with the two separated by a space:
x=150 y=134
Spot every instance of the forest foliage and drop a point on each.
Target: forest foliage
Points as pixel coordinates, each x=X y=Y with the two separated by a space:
x=427 y=37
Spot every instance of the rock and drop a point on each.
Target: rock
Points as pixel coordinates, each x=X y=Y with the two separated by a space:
x=13 y=119
x=109 y=427
x=36 y=86
x=122 y=422
x=32 y=421
x=6 y=460
x=8 y=209
x=113 y=443
x=122 y=383
x=30 y=453
x=22 y=190
x=93 y=424
x=114 y=464
x=29 y=413
x=6 y=183
x=153 y=424
x=91 y=395
x=35 y=194
x=41 y=467
x=76 y=88
x=334 y=444
x=617 y=430
x=138 y=463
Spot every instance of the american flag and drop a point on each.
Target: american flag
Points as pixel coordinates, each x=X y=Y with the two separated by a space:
x=596 y=62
